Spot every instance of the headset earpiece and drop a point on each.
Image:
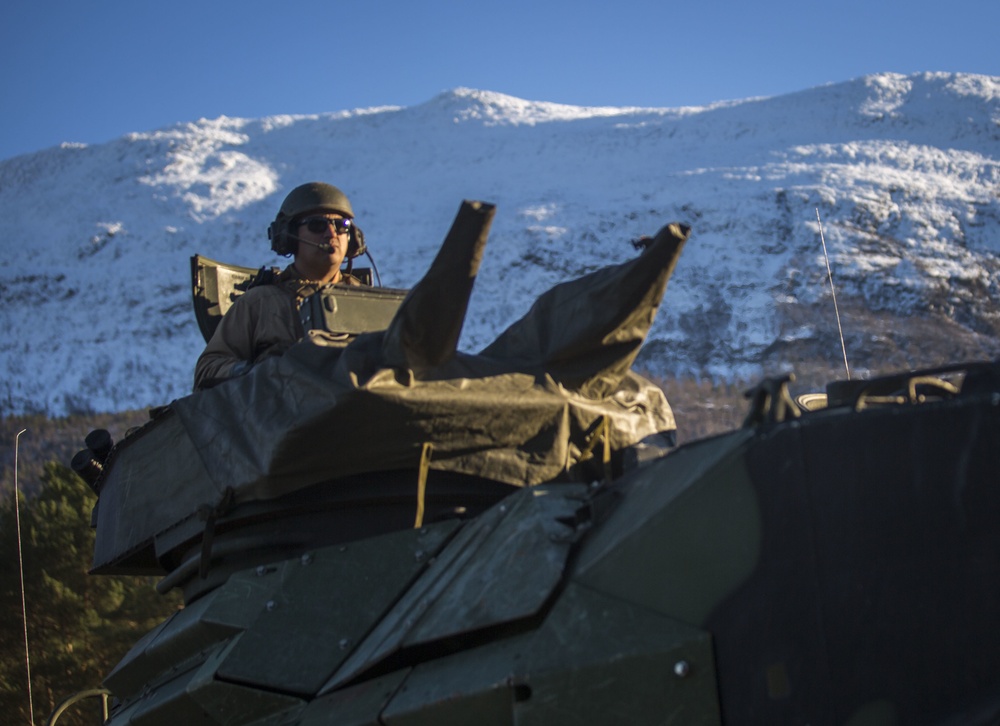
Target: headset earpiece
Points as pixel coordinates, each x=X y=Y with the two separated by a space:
x=277 y=232
x=356 y=246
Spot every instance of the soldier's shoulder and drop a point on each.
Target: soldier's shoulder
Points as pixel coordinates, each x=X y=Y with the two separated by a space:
x=262 y=294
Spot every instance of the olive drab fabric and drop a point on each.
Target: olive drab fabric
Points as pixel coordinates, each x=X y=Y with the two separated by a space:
x=428 y=324
x=530 y=408
x=586 y=333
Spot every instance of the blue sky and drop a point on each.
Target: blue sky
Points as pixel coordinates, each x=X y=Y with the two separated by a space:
x=92 y=71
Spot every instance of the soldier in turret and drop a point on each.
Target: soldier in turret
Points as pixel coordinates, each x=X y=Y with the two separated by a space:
x=316 y=226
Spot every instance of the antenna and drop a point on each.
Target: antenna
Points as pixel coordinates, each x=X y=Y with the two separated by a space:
x=833 y=291
x=20 y=562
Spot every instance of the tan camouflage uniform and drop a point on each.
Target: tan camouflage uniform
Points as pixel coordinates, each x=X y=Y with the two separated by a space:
x=262 y=323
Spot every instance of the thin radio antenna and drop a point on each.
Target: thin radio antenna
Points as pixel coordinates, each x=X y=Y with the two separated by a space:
x=20 y=562
x=833 y=291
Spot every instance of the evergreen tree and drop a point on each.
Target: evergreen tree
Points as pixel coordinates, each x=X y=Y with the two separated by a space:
x=79 y=625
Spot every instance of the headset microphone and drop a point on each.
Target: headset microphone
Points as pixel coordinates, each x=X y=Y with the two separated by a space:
x=323 y=247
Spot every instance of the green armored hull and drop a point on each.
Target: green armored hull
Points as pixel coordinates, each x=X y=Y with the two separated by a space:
x=837 y=568
x=529 y=549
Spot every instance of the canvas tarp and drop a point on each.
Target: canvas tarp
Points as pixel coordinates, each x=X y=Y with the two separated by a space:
x=550 y=394
x=522 y=412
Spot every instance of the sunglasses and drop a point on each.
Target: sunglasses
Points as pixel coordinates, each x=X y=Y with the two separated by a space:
x=318 y=225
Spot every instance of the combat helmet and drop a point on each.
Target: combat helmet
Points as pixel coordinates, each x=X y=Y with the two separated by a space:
x=311 y=197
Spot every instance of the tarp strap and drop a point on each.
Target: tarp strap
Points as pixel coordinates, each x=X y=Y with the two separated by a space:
x=208 y=515
x=425 y=463
x=601 y=433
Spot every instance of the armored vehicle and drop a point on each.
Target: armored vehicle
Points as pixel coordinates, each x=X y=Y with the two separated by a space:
x=389 y=531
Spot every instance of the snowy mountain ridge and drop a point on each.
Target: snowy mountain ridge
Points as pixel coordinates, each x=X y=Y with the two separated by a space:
x=904 y=172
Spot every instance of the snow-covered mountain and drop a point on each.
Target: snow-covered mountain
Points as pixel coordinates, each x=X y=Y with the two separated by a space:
x=903 y=171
